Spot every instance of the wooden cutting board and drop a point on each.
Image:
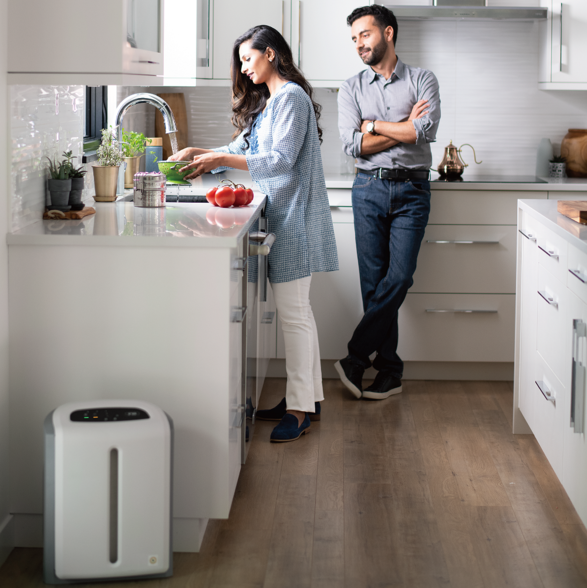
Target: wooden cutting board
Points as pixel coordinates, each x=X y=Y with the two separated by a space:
x=574 y=209
x=177 y=104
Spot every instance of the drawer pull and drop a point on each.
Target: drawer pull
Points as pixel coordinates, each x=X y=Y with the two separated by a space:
x=266 y=240
x=577 y=420
x=528 y=236
x=548 y=299
x=546 y=392
x=551 y=254
x=268 y=318
x=462 y=311
x=240 y=416
x=238 y=314
x=460 y=242
x=581 y=277
x=240 y=264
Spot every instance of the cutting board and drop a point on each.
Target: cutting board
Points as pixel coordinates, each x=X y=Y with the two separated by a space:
x=574 y=209
x=176 y=102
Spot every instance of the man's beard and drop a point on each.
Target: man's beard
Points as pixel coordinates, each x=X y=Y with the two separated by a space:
x=377 y=53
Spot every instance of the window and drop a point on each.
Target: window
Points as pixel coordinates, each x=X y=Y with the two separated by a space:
x=96 y=114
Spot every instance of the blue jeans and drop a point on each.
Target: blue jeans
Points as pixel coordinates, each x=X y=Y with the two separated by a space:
x=390 y=219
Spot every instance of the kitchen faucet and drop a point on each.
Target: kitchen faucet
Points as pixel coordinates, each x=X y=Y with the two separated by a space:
x=141 y=98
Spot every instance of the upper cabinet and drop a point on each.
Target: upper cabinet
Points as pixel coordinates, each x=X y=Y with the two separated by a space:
x=73 y=42
x=320 y=32
x=563 y=46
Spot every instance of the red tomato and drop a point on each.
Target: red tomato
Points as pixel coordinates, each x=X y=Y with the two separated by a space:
x=211 y=196
x=225 y=218
x=240 y=196
x=211 y=215
x=224 y=197
x=250 y=195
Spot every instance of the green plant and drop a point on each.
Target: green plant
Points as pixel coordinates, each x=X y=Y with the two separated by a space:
x=77 y=172
x=59 y=170
x=133 y=144
x=109 y=151
x=558 y=159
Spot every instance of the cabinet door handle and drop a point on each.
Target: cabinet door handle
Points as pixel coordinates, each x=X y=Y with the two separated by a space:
x=546 y=392
x=240 y=264
x=581 y=277
x=549 y=253
x=148 y=61
x=238 y=314
x=577 y=420
x=265 y=247
x=240 y=416
x=268 y=318
x=548 y=299
x=528 y=236
x=462 y=242
x=461 y=311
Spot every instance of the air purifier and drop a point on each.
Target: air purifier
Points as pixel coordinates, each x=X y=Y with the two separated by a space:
x=107 y=504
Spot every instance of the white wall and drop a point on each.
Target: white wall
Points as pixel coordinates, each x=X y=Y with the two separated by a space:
x=5 y=525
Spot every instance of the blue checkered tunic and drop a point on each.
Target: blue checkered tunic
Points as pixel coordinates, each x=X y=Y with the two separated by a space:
x=284 y=159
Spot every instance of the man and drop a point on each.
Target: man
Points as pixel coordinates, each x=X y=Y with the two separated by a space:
x=388 y=116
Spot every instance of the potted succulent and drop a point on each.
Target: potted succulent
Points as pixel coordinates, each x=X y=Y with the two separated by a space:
x=133 y=147
x=76 y=175
x=106 y=171
x=59 y=183
x=557 y=167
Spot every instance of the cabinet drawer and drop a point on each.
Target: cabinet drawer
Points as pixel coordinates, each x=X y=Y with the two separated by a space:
x=461 y=258
x=457 y=327
x=548 y=413
x=577 y=273
x=477 y=207
x=551 y=326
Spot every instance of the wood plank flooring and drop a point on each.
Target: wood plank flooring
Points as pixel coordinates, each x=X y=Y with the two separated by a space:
x=426 y=489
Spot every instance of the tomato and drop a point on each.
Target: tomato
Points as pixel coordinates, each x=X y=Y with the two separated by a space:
x=224 y=197
x=211 y=196
x=240 y=196
x=225 y=218
x=250 y=195
x=211 y=215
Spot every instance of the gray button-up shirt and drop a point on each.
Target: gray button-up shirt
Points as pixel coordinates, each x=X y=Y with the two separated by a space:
x=369 y=96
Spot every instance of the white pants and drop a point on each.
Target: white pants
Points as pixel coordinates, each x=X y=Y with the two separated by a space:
x=302 y=353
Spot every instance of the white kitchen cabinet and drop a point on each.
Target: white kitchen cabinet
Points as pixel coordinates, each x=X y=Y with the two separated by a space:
x=319 y=29
x=563 y=45
x=67 y=41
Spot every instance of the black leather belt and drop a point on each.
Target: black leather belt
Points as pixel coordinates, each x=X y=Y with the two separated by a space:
x=399 y=175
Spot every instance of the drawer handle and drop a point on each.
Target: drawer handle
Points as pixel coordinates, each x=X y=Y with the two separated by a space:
x=238 y=314
x=577 y=420
x=266 y=240
x=240 y=416
x=546 y=392
x=459 y=242
x=548 y=299
x=581 y=277
x=240 y=264
x=463 y=311
x=549 y=253
x=528 y=236
x=268 y=318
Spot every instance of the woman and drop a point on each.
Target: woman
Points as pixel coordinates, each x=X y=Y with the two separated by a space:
x=278 y=142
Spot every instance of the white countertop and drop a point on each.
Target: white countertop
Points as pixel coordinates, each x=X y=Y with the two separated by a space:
x=545 y=211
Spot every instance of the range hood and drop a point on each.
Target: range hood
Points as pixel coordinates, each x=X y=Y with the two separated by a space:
x=466 y=10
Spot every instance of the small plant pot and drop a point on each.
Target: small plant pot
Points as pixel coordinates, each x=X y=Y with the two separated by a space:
x=75 y=196
x=59 y=191
x=557 y=170
x=105 y=179
x=132 y=167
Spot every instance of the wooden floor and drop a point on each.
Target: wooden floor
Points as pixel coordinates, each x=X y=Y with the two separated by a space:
x=428 y=488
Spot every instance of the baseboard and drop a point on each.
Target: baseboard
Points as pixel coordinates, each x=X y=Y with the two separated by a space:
x=421 y=370
x=6 y=537
x=187 y=533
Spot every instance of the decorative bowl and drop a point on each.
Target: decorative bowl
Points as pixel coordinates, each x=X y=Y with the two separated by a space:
x=171 y=170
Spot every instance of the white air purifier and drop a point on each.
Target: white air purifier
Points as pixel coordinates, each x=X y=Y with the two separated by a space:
x=108 y=472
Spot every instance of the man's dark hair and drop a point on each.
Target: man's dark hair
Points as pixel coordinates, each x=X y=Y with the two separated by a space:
x=383 y=17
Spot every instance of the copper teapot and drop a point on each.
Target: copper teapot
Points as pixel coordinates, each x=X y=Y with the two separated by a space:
x=452 y=166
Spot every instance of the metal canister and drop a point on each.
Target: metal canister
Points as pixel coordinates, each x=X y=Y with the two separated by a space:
x=149 y=189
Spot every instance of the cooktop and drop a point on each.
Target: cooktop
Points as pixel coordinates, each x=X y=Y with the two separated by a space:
x=495 y=180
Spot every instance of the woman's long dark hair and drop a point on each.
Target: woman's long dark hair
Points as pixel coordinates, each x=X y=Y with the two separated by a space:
x=249 y=99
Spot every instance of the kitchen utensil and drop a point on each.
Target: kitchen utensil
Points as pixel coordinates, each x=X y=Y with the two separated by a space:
x=149 y=190
x=452 y=167
x=171 y=170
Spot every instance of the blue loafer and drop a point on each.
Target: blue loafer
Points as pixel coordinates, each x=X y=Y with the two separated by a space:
x=288 y=429
x=278 y=412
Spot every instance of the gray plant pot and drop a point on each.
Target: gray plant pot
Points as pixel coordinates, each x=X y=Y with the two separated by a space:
x=59 y=190
x=75 y=196
x=557 y=170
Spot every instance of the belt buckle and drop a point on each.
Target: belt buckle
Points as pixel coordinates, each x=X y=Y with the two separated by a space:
x=378 y=173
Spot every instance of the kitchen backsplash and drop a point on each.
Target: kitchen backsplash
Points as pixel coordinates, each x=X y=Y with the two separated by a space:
x=45 y=121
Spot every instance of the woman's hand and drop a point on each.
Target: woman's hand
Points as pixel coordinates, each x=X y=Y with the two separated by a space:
x=186 y=154
x=203 y=163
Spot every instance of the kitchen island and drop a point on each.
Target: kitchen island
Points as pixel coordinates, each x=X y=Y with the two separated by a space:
x=135 y=304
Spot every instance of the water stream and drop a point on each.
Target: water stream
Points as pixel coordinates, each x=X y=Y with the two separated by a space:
x=173 y=140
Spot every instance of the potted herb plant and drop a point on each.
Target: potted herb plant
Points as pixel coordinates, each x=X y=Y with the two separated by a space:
x=76 y=175
x=106 y=171
x=133 y=147
x=59 y=183
x=557 y=167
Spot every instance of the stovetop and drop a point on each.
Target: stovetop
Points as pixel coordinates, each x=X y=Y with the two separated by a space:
x=495 y=180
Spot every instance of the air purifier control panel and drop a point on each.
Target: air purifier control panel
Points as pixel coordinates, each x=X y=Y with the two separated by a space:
x=97 y=415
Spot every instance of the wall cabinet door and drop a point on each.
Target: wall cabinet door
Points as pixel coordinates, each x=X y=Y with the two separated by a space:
x=319 y=31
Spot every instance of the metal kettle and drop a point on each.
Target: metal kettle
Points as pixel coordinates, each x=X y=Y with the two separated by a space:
x=452 y=166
